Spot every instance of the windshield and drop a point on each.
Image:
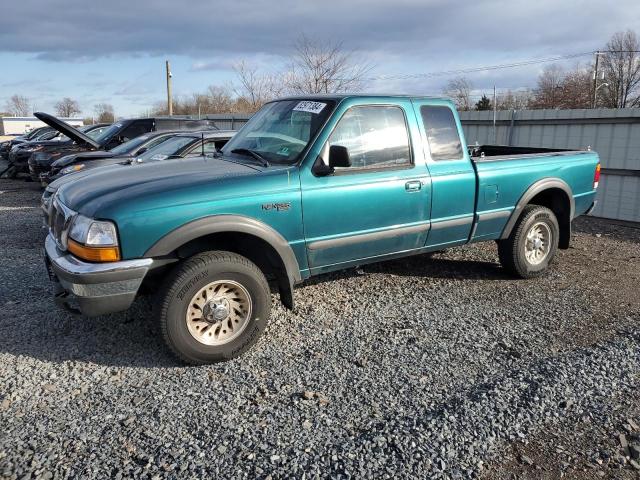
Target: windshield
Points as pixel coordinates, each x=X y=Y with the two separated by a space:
x=94 y=133
x=281 y=130
x=108 y=133
x=130 y=146
x=167 y=148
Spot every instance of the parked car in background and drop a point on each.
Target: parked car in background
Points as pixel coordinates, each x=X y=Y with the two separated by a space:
x=53 y=140
x=116 y=134
x=142 y=149
x=36 y=134
x=309 y=185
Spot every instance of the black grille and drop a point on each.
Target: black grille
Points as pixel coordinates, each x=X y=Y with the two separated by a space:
x=59 y=219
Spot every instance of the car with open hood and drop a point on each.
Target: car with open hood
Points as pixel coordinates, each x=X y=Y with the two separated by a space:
x=114 y=135
x=33 y=135
x=55 y=140
x=148 y=147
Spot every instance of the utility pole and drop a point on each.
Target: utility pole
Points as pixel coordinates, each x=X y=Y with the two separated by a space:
x=169 y=100
x=595 y=79
x=495 y=111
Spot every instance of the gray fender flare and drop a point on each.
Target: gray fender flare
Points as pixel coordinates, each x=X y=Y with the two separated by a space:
x=532 y=191
x=228 y=224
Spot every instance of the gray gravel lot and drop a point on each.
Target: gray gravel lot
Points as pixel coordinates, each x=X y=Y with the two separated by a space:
x=437 y=367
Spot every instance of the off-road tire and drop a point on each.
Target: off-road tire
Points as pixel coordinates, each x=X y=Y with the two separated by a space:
x=194 y=274
x=511 y=251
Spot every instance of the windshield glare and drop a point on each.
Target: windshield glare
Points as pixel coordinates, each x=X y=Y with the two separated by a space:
x=130 y=146
x=281 y=130
x=108 y=133
x=167 y=148
x=95 y=133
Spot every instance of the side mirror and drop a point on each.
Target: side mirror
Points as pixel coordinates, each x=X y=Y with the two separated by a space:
x=339 y=156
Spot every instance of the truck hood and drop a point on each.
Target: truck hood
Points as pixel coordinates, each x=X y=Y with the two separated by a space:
x=66 y=129
x=109 y=186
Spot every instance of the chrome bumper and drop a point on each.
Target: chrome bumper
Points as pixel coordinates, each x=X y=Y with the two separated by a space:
x=97 y=288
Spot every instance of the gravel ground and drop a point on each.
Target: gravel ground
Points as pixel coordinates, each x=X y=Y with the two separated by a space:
x=438 y=367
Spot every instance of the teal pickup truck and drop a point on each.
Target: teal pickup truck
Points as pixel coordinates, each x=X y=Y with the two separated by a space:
x=307 y=186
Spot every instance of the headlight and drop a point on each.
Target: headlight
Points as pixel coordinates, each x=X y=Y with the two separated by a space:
x=93 y=240
x=71 y=169
x=92 y=232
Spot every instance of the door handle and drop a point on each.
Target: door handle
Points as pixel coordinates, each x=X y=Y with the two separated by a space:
x=413 y=186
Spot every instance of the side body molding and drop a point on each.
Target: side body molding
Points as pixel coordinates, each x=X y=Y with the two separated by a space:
x=228 y=224
x=532 y=191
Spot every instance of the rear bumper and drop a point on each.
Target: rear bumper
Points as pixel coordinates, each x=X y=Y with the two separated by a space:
x=590 y=209
x=96 y=288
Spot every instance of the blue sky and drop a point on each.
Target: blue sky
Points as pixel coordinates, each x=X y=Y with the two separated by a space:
x=114 y=52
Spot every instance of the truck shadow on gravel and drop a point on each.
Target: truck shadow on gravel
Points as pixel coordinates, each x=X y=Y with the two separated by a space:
x=133 y=339
x=127 y=339
x=425 y=266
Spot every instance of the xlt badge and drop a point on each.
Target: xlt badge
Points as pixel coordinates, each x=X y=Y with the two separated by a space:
x=280 y=207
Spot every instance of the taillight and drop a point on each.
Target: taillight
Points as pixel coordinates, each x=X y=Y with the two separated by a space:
x=596 y=177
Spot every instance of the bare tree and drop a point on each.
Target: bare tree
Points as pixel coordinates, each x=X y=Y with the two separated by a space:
x=575 y=88
x=563 y=89
x=104 y=113
x=459 y=90
x=18 y=106
x=257 y=88
x=547 y=92
x=514 y=100
x=67 y=107
x=621 y=67
x=323 y=67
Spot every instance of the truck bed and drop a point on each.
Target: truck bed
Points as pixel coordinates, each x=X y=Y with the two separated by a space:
x=480 y=153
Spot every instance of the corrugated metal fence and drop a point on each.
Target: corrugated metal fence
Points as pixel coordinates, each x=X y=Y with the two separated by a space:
x=614 y=134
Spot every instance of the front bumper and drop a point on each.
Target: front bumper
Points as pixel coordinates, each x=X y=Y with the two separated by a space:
x=97 y=288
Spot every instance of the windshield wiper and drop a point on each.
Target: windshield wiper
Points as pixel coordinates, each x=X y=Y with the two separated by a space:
x=246 y=151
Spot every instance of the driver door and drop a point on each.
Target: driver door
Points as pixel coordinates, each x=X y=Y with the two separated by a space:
x=376 y=207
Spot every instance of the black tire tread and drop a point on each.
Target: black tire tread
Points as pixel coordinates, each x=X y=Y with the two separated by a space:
x=508 y=248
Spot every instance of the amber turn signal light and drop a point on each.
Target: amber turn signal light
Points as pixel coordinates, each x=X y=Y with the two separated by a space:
x=93 y=254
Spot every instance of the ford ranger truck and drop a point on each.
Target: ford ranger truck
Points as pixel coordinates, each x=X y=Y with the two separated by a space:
x=309 y=185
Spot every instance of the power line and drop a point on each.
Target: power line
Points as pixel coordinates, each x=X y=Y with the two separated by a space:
x=480 y=69
x=485 y=68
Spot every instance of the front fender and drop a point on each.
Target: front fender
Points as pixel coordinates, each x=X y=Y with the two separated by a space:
x=228 y=224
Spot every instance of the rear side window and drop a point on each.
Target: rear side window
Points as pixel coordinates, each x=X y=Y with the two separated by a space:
x=136 y=129
x=376 y=137
x=442 y=132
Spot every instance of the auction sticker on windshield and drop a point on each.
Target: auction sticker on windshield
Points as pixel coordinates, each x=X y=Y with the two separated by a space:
x=311 y=107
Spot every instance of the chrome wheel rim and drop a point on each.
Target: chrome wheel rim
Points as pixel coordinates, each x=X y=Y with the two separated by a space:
x=219 y=312
x=538 y=243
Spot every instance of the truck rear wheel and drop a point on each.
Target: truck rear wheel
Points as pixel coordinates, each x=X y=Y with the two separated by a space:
x=214 y=307
x=533 y=243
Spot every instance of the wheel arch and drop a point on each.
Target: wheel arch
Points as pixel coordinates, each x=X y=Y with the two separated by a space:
x=247 y=236
x=553 y=193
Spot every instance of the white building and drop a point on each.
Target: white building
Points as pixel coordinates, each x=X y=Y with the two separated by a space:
x=12 y=126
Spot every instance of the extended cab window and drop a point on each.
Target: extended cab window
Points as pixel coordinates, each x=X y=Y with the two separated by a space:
x=442 y=132
x=376 y=137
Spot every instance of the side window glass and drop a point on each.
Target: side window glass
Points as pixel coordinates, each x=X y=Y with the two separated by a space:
x=442 y=132
x=376 y=137
x=210 y=147
x=135 y=130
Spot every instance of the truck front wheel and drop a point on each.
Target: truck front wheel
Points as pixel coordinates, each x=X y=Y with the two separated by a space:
x=214 y=307
x=532 y=244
